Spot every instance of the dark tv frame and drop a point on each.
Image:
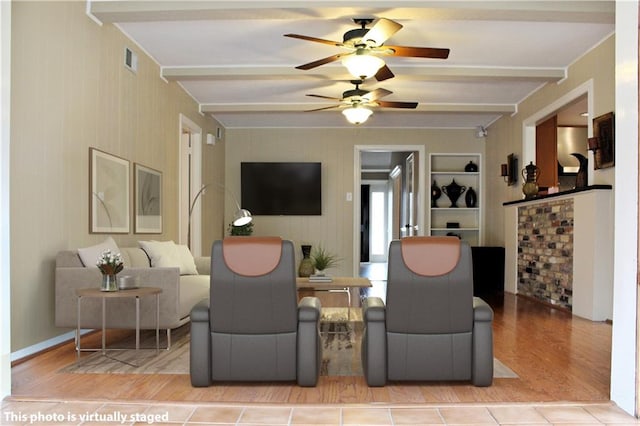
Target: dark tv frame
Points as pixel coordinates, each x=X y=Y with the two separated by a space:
x=284 y=199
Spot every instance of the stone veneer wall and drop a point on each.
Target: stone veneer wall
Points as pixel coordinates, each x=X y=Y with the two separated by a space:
x=545 y=252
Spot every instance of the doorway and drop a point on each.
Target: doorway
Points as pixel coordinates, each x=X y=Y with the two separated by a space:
x=376 y=219
x=383 y=170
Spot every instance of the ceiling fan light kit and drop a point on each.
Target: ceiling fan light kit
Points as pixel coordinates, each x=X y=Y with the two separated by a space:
x=362 y=64
x=357 y=114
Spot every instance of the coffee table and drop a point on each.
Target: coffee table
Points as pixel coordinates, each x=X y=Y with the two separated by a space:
x=337 y=285
x=136 y=293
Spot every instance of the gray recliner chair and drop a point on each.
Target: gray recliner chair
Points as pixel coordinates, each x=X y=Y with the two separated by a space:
x=432 y=328
x=252 y=327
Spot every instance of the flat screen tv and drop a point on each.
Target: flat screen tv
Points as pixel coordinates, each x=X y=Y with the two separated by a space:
x=281 y=188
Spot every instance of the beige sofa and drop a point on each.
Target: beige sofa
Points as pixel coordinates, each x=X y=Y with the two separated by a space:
x=179 y=292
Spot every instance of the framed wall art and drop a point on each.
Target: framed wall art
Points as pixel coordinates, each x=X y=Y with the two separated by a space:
x=604 y=131
x=108 y=193
x=148 y=200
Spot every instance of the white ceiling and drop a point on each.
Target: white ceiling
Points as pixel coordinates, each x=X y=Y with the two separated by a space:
x=232 y=57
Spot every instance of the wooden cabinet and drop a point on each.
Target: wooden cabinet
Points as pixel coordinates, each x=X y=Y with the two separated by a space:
x=445 y=217
x=547 y=152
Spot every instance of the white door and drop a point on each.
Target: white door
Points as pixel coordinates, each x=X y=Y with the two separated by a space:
x=379 y=221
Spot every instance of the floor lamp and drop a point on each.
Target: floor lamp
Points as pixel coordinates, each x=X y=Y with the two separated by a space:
x=240 y=218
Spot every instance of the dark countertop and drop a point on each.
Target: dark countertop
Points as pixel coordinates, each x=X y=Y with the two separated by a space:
x=560 y=194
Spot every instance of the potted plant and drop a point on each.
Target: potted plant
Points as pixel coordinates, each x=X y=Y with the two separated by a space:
x=323 y=259
x=243 y=230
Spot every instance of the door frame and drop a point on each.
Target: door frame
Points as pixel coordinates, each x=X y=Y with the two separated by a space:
x=189 y=126
x=357 y=179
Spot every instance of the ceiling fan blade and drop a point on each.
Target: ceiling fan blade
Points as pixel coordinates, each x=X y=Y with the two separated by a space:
x=417 y=52
x=315 y=39
x=395 y=104
x=325 y=97
x=384 y=73
x=377 y=94
x=323 y=61
x=321 y=109
x=382 y=30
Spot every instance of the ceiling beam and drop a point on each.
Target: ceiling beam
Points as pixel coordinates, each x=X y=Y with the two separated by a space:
x=110 y=11
x=299 y=107
x=439 y=73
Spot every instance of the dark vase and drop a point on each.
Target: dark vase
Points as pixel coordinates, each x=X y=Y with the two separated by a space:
x=453 y=191
x=471 y=198
x=435 y=194
x=471 y=167
x=305 y=269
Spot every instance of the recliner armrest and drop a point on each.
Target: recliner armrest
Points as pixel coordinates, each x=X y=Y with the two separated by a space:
x=200 y=312
x=373 y=309
x=309 y=309
x=481 y=310
x=309 y=349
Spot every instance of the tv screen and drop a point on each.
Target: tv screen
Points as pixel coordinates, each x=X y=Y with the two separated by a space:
x=281 y=188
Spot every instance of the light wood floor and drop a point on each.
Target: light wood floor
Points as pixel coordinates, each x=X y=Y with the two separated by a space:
x=557 y=357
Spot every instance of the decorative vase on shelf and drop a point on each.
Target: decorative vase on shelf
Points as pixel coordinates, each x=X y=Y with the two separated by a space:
x=581 y=176
x=471 y=167
x=306 y=268
x=530 y=173
x=435 y=194
x=471 y=198
x=109 y=282
x=453 y=191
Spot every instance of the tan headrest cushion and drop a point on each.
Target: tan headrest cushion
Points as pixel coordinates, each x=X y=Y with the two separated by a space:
x=430 y=256
x=252 y=256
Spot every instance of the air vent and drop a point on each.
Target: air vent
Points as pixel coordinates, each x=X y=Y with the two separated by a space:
x=130 y=59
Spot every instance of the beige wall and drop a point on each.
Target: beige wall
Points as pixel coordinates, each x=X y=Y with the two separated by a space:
x=334 y=148
x=70 y=91
x=506 y=135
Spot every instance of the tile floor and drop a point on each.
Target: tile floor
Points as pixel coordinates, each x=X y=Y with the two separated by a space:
x=62 y=413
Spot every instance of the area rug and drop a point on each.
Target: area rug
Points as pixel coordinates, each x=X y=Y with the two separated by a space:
x=340 y=350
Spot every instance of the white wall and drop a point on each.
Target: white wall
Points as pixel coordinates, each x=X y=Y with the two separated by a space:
x=624 y=390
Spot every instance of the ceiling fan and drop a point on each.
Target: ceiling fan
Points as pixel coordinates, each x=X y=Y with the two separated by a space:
x=364 y=44
x=356 y=101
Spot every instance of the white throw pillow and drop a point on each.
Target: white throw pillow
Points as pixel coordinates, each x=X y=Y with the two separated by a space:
x=89 y=255
x=166 y=254
x=161 y=253
x=187 y=264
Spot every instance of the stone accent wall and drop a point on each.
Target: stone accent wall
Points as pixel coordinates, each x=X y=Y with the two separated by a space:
x=545 y=252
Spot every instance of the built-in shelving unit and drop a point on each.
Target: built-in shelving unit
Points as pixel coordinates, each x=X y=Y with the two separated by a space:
x=462 y=220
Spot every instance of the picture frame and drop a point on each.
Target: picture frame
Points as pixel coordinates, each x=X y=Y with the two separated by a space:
x=604 y=131
x=148 y=200
x=108 y=193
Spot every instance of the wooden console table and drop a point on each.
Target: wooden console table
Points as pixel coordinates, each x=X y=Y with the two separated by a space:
x=337 y=285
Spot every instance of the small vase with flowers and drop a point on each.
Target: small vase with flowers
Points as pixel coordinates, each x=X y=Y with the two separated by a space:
x=109 y=264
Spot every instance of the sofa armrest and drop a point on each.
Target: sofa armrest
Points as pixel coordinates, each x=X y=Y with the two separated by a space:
x=203 y=264
x=200 y=345
x=121 y=312
x=374 y=342
x=309 y=350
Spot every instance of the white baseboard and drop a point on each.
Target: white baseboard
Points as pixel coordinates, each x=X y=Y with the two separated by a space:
x=39 y=347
